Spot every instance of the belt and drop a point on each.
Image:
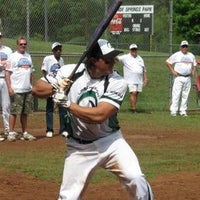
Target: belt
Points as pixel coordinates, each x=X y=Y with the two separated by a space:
x=81 y=141
x=184 y=75
x=2 y=76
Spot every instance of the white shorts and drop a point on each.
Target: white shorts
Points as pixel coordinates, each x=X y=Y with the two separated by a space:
x=135 y=87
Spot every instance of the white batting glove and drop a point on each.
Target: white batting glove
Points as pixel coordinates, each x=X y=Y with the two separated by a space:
x=60 y=88
x=60 y=98
x=65 y=83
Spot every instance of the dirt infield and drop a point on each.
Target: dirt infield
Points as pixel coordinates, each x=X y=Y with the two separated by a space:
x=179 y=186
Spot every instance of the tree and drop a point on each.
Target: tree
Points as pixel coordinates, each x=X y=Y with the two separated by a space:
x=187 y=19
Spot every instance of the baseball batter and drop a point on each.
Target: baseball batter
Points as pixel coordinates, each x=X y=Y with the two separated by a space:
x=5 y=100
x=95 y=139
x=182 y=65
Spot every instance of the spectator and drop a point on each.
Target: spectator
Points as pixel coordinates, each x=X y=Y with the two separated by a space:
x=50 y=66
x=134 y=72
x=182 y=65
x=5 y=100
x=19 y=79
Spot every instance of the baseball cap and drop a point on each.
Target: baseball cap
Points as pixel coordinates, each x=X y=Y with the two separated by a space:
x=103 y=49
x=184 y=42
x=55 y=44
x=133 y=46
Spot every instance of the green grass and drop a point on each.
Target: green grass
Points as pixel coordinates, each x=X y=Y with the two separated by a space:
x=159 y=156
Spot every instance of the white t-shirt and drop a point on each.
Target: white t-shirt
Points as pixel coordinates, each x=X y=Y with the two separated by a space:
x=182 y=63
x=21 y=67
x=51 y=65
x=133 y=68
x=4 y=54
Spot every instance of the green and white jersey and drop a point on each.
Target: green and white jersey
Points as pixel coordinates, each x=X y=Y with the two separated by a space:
x=89 y=92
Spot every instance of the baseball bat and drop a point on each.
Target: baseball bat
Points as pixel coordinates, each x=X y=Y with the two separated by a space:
x=98 y=32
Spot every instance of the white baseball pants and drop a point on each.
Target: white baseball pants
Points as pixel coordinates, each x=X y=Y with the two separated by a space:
x=5 y=103
x=112 y=153
x=180 y=92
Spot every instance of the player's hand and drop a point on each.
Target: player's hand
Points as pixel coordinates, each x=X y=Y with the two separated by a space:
x=2 y=66
x=65 y=83
x=60 y=98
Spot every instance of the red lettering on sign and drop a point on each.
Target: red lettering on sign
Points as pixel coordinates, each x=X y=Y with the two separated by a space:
x=116 y=23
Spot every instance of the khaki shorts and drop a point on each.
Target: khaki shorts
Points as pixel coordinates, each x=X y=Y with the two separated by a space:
x=21 y=103
x=135 y=87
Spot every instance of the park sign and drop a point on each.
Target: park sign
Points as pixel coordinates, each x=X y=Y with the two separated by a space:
x=133 y=19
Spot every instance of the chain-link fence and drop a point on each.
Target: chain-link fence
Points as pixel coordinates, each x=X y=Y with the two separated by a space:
x=148 y=23
x=70 y=21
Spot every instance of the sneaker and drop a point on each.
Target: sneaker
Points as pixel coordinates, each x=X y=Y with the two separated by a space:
x=133 y=111
x=183 y=114
x=28 y=136
x=49 y=134
x=1 y=138
x=64 y=133
x=173 y=114
x=12 y=136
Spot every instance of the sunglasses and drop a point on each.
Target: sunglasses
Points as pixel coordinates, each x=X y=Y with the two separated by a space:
x=184 y=46
x=22 y=44
x=134 y=49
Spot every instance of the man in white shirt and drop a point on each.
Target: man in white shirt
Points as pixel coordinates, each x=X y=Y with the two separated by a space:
x=50 y=66
x=135 y=73
x=182 y=65
x=19 y=80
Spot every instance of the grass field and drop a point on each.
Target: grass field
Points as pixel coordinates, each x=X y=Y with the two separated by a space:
x=164 y=145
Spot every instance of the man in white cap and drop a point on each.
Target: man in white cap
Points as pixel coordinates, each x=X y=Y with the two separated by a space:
x=182 y=66
x=50 y=66
x=95 y=139
x=135 y=73
x=5 y=52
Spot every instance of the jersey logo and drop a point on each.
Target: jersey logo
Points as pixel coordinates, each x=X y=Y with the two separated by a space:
x=54 y=69
x=3 y=56
x=24 y=63
x=186 y=60
x=88 y=98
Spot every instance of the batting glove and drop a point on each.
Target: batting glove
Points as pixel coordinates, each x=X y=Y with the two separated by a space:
x=65 y=83
x=60 y=98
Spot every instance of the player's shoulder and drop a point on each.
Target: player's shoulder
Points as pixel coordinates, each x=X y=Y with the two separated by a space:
x=67 y=69
x=49 y=57
x=116 y=77
x=7 y=48
x=14 y=54
x=190 y=53
x=117 y=82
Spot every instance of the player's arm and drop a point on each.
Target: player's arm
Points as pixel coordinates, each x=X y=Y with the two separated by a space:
x=145 y=80
x=171 y=69
x=97 y=114
x=42 y=89
x=8 y=82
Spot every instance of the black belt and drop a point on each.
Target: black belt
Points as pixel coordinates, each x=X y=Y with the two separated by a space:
x=2 y=76
x=184 y=75
x=81 y=141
